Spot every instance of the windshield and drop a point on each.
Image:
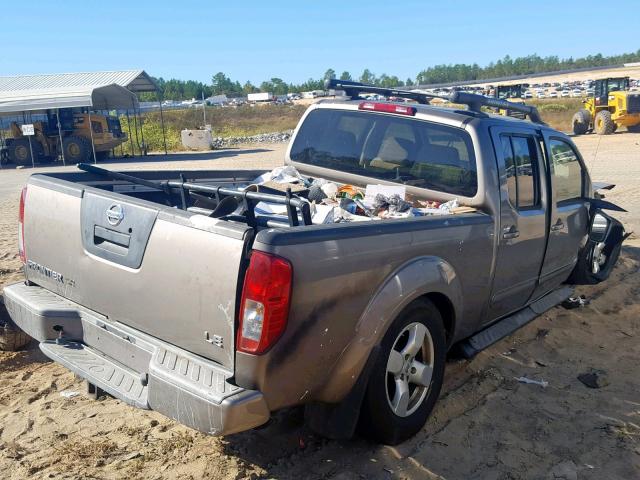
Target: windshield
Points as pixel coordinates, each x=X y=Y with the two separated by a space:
x=617 y=84
x=388 y=147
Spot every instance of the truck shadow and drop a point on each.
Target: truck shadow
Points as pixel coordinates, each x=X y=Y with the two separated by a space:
x=28 y=355
x=155 y=158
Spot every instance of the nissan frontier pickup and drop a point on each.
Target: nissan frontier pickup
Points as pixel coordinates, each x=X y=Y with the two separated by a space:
x=396 y=232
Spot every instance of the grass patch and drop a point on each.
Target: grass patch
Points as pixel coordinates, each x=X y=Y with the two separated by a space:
x=225 y=122
x=558 y=113
x=247 y=120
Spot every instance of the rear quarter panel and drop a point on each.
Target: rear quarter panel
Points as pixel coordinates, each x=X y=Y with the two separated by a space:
x=350 y=282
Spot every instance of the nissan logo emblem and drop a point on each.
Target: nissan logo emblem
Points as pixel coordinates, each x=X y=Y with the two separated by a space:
x=115 y=214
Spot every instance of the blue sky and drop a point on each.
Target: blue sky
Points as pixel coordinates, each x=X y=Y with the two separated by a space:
x=294 y=40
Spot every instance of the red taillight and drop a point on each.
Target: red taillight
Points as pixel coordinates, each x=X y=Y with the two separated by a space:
x=387 y=108
x=264 y=306
x=23 y=198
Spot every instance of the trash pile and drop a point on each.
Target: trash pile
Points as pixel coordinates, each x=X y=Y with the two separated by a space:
x=333 y=202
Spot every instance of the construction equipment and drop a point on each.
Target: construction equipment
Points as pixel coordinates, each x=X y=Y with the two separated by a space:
x=512 y=93
x=78 y=140
x=611 y=106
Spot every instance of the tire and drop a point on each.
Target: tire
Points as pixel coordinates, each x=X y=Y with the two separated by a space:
x=388 y=416
x=76 y=149
x=20 y=153
x=602 y=124
x=11 y=337
x=581 y=121
x=634 y=128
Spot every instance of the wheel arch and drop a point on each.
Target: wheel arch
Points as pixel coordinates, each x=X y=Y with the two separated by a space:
x=427 y=277
x=446 y=309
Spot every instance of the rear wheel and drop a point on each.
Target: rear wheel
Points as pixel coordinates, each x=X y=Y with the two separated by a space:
x=76 y=149
x=11 y=337
x=407 y=376
x=603 y=124
x=20 y=152
x=581 y=121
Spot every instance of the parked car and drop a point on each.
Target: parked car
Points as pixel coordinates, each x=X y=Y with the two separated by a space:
x=565 y=94
x=181 y=292
x=576 y=92
x=553 y=94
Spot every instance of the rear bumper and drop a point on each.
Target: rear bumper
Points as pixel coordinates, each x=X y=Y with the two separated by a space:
x=134 y=367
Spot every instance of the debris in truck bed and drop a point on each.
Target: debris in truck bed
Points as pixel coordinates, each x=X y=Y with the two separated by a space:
x=338 y=203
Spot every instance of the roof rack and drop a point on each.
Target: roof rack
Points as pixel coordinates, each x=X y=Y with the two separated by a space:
x=473 y=101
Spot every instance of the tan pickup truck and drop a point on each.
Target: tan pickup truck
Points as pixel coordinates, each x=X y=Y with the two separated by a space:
x=216 y=302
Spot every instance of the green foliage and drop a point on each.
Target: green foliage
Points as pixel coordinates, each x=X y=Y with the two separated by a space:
x=248 y=87
x=329 y=74
x=553 y=107
x=152 y=132
x=221 y=84
x=226 y=122
x=518 y=66
x=275 y=86
x=367 y=77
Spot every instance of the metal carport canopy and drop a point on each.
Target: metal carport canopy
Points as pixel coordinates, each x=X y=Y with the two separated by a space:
x=98 y=97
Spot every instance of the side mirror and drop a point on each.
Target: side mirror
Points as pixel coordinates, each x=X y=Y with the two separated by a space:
x=599 y=228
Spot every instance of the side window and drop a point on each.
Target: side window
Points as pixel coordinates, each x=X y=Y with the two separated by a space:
x=566 y=171
x=510 y=168
x=520 y=155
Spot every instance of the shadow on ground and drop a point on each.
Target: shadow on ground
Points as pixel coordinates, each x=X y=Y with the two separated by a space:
x=170 y=157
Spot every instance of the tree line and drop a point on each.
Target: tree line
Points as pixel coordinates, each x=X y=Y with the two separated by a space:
x=221 y=84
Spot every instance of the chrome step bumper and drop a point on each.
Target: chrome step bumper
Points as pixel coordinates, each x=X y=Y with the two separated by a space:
x=114 y=379
x=134 y=367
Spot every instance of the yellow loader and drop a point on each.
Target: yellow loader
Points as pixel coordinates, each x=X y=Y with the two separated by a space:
x=513 y=93
x=76 y=138
x=611 y=106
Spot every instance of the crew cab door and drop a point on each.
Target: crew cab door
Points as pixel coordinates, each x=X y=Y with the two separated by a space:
x=523 y=219
x=569 y=210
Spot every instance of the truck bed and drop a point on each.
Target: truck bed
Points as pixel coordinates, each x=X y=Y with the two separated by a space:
x=176 y=275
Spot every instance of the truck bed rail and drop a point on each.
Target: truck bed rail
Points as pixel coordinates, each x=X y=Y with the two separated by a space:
x=247 y=199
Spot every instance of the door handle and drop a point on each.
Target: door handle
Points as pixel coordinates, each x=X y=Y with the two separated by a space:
x=510 y=232
x=559 y=225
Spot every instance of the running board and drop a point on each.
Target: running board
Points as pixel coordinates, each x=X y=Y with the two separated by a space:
x=485 y=338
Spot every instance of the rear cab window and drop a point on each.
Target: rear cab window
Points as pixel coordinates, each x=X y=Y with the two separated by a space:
x=399 y=149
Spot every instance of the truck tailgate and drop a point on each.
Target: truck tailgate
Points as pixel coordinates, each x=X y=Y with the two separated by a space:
x=166 y=272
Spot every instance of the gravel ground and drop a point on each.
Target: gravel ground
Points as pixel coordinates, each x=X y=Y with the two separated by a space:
x=485 y=426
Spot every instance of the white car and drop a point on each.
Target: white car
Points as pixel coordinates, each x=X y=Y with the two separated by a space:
x=576 y=92
x=553 y=94
x=527 y=95
x=565 y=94
x=540 y=95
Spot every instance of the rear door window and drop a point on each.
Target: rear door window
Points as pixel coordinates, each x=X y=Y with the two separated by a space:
x=389 y=147
x=520 y=158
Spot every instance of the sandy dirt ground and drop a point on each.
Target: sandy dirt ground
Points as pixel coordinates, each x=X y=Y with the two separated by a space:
x=486 y=424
